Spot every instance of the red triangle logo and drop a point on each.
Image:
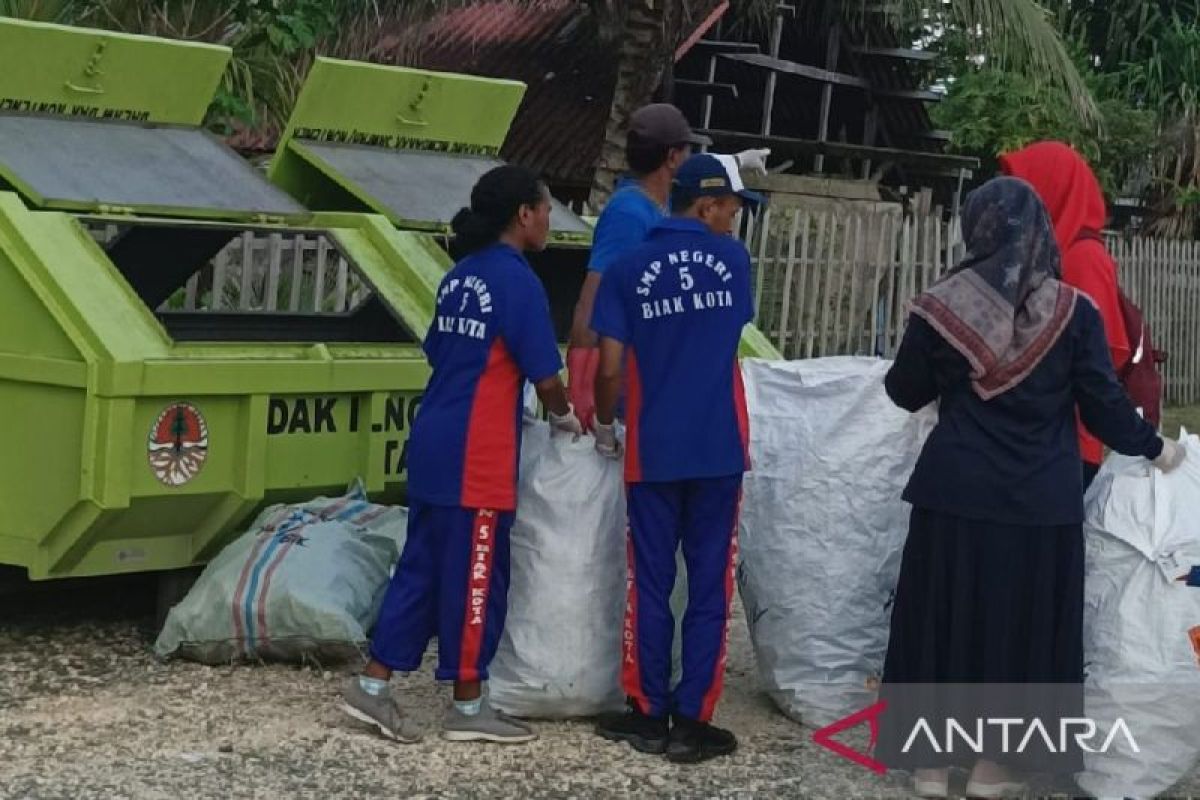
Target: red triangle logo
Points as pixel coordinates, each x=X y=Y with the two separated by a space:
x=870 y=715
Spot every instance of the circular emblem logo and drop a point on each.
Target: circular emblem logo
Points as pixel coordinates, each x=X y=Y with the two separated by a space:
x=178 y=444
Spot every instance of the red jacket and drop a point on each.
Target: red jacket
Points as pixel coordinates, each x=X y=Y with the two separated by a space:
x=1072 y=195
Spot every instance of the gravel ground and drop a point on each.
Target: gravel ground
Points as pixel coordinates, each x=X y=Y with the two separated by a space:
x=87 y=712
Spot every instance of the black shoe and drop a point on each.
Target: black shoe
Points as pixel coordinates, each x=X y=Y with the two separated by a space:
x=643 y=733
x=692 y=741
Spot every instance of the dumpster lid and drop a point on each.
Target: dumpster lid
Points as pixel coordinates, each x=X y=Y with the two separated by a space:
x=406 y=143
x=98 y=121
x=88 y=165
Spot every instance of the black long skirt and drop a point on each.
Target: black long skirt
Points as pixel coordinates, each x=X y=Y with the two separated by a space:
x=987 y=624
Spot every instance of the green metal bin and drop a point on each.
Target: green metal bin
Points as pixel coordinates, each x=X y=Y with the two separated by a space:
x=409 y=144
x=146 y=416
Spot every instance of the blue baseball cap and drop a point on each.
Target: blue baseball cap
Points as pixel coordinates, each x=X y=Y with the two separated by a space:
x=711 y=175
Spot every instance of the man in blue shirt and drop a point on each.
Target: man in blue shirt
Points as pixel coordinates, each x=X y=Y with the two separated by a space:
x=670 y=315
x=658 y=142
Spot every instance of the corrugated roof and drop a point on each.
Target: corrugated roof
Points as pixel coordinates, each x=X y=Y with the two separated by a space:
x=548 y=45
x=570 y=78
x=559 y=127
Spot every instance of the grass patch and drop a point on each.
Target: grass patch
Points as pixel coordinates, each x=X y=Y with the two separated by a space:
x=1187 y=416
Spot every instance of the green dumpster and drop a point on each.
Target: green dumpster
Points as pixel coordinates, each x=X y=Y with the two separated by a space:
x=409 y=144
x=157 y=390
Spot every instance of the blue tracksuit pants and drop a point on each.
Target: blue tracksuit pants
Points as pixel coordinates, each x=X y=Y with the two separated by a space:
x=452 y=582
x=702 y=516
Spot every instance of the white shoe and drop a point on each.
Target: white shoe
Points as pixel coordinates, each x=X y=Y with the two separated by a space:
x=931 y=782
x=995 y=791
x=996 y=782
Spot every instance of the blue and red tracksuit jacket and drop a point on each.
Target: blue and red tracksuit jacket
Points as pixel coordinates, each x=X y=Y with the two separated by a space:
x=491 y=332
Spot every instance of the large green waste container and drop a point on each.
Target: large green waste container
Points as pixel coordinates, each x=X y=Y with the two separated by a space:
x=409 y=144
x=154 y=391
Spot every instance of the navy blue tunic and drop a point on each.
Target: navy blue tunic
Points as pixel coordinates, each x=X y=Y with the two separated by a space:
x=1014 y=459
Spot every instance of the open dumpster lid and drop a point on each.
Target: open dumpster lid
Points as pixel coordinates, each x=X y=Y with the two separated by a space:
x=99 y=121
x=408 y=144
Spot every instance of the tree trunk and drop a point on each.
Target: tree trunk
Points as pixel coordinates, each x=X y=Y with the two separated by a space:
x=643 y=49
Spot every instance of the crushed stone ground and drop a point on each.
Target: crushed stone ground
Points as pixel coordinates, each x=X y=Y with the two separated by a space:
x=87 y=712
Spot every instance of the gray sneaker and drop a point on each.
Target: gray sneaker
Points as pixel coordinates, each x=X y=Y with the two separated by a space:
x=379 y=711
x=489 y=725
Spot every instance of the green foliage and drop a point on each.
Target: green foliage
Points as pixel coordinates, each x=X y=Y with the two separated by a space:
x=990 y=111
x=1141 y=59
x=40 y=10
x=1019 y=36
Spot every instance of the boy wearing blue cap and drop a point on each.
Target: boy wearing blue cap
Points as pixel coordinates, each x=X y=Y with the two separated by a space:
x=671 y=315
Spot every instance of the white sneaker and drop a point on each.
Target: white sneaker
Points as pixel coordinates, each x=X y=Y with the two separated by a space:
x=931 y=782
x=991 y=781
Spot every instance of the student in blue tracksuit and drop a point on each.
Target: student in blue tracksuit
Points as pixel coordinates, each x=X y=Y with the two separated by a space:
x=658 y=142
x=491 y=332
x=672 y=313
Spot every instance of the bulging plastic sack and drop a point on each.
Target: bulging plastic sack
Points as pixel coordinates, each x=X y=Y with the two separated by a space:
x=560 y=655
x=823 y=528
x=305 y=582
x=1142 y=625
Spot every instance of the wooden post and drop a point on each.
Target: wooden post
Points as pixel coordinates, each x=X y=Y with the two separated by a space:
x=852 y=327
x=189 y=297
x=247 y=278
x=929 y=256
x=893 y=277
x=746 y=224
x=785 y=310
x=772 y=77
x=939 y=257
x=831 y=56
x=804 y=266
x=343 y=270
x=763 y=235
x=298 y=244
x=903 y=284
x=319 y=282
x=1192 y=329
x=275 y=256
x=818 y=253
x=776 y=288
x=834 y=288
x=220 y=265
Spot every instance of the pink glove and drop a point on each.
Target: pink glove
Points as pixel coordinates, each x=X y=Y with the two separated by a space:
x=582 y=365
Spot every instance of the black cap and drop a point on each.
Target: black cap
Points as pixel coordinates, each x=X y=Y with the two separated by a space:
x=663 y=123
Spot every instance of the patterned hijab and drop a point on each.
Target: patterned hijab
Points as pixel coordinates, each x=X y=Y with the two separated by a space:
x=1004 y=306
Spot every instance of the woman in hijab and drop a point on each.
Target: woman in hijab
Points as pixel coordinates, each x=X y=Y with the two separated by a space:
x=991 y=582
x=1072 y=196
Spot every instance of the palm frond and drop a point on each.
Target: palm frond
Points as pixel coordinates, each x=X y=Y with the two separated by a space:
x=40 y=10
x=1018 y=34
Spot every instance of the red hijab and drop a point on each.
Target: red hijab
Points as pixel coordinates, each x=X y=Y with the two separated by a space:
x=1072 y=195
x=1066 y=185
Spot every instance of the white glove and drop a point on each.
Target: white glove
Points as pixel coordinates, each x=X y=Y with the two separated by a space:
x=567 y=423
x=753 y=160
x=607 y=444
x=1172 y=455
